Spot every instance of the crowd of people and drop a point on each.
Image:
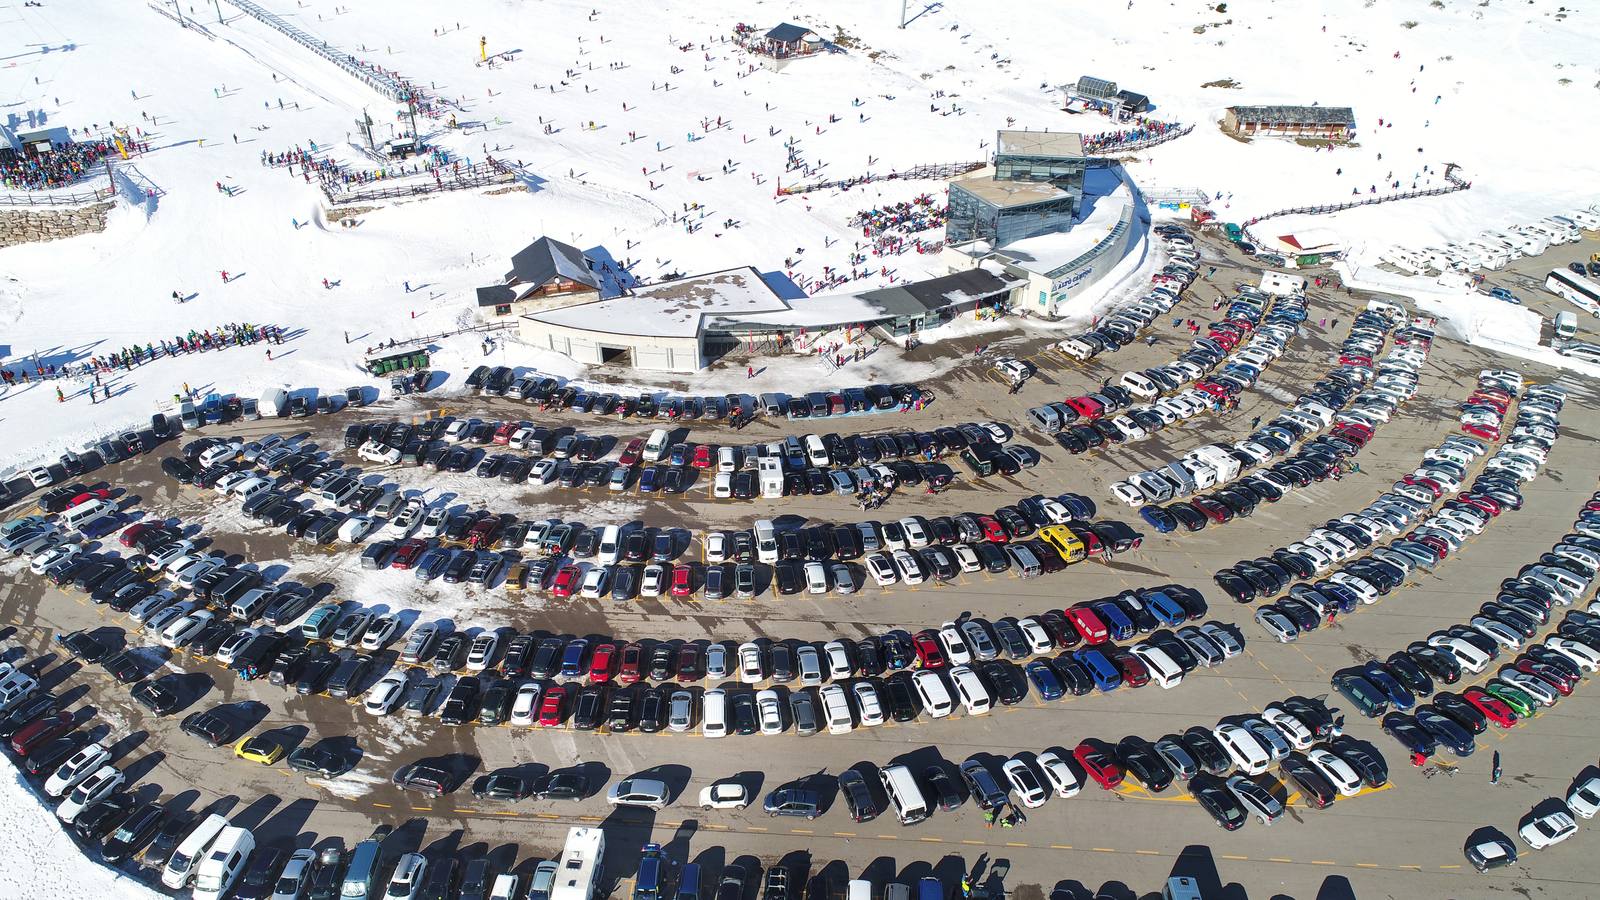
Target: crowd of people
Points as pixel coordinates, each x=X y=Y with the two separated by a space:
x=904 y=218
x=336 y=177
x=1141 y=131
x=53 y=168
x=233 y=334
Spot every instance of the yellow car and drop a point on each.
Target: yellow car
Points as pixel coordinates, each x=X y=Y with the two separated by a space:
x=265 y=748
x=1065 y=542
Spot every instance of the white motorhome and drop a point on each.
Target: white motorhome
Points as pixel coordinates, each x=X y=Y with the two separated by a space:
x=578 y=867
x=1226 y=467
x=1494 y=256
x=1408 y=261
x=769 y=472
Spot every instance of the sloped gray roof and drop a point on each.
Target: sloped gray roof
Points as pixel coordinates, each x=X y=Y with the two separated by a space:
x=787 y=33
x=545 y=259
x=1319 y=115
x=934 y=294
x=1089 y=86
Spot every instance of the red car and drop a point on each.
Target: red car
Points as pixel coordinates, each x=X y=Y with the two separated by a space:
x=566 y=582
x=1212 y=510
x=993 y=531
x=703 y=457
x=1088 y=624
x=37 y=734
x=1091 y=541
x=632 y=663
x=929 y=654
x=1547 y=674
x=550 y=708
x=405 y=556
x=481 y=535
x=1427 y=484
x=1440 y=548
x=133 y=532
x=1493 y=708
x=689 y=663
x=1487 y=504
x=1134 y=671
x=408 y=551
x=682 y=581
x=1086 y=408
x=86 y=496
x=630 y=454
x=1099 y=762
x=1487 y=432
x=601 y=664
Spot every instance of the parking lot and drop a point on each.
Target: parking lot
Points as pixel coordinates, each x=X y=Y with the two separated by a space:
x=1404 y=839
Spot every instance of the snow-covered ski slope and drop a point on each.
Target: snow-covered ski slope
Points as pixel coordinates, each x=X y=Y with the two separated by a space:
x=1515 y=82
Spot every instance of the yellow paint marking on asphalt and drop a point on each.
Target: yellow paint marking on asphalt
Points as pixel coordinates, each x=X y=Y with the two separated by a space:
x=1279 y=859
x=1148 y=852
x=758 y=828
x=938 y=841
x=1104 y=849
x=1060 y=846
x=1232 y=856
x=547 y=815
x=1367 y=865
x=844 y=834
x=886 y=837
x=1017 y=844
x=1455 y=866
x=1323 y=862
x=801 y=831
x=382 y=805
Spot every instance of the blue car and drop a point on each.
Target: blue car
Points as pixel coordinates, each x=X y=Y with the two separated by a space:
x=1078 y=506
x=1117 y=621
x=1168 y=610
x=1346 y=598
x=1391 y=686
x=1159 y=519
x=1501 y=293
x=572 y=658
x=1106 y=675
x=647 y=479
x=1045 y=680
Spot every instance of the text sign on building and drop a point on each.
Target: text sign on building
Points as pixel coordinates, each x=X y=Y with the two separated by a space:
x=1061 y=284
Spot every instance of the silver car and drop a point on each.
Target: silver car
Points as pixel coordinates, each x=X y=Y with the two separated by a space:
x=646 y=792
x=680 y=711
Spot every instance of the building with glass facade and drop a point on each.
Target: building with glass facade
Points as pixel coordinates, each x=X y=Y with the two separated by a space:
x=1034 y=187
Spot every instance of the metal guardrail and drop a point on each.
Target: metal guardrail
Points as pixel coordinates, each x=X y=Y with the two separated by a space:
x=932 y=170
x=477 y=175
x=387 y=85
x=95 y=196
x=1455 y=183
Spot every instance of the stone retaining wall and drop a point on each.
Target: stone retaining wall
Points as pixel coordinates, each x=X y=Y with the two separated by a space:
x=27 y=226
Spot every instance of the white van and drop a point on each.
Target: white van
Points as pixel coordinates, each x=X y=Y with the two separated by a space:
x=223 y=862
x=1140 y=386
x=816 y=453
x=934 y=695
x=1566 y=325
x=766 y=541
x=1243 y=748
x=974 y=696
x=273 y=403
x=84 y=513
x=610 y=545
x=250 y=604
x=185 y=860
x=858 y=889
x=714 y=714
x=1163 y=670
x=905 y=795
x=655 y=445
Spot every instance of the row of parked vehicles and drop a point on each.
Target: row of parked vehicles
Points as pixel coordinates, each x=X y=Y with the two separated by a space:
x=1549 y=823
x=1409 y=504
x=551 y=394
x=1123 y=326
x=1495 y=249
x=1340 y=402
x=1538 y=675
x=1374 y=549
x=1223 y=768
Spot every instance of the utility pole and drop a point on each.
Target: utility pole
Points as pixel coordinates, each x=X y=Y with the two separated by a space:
x=219 y=12
x=903 y=13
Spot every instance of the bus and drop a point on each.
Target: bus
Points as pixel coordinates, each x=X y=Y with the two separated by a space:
x=1575 y=289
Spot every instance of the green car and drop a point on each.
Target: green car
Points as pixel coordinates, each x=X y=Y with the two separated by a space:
x=1368 y=700
x=1523 y=705
x=321 y=622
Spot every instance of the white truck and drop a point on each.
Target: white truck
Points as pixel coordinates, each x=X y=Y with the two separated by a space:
x=769 y=469
x=274 y=403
